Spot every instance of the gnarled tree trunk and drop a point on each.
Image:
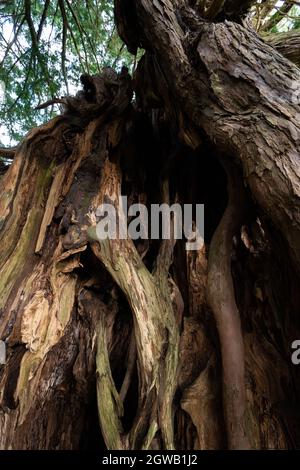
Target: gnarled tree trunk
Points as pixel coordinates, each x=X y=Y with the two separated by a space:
x=173 y=349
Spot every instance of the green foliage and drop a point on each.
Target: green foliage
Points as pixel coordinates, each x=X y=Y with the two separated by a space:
x=45 y=45
x=44 y=48
x=289 y=21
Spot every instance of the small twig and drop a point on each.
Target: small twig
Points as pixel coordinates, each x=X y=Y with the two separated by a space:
x=9 y=46
x=66 y=22
x=118 y=56
x=80 y=29
x=64 y=44
x=24 y=85
x=51 y=102
x=35 y=42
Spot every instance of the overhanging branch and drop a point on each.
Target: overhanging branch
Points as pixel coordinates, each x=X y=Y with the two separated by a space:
x=288 y=44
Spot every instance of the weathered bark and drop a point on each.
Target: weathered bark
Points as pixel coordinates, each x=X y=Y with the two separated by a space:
x=234 y=87
x=47 y=308
x=209 y=74
x=174 y=349
x=156 y=328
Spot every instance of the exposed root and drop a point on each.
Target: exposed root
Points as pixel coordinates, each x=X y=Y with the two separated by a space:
x=221 y=299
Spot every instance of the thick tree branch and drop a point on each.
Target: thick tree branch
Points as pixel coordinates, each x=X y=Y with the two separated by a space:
x=288 y=44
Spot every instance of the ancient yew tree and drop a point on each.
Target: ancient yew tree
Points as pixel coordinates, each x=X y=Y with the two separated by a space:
x=124 y=344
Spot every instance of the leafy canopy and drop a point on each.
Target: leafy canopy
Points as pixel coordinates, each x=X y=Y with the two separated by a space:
x=45 y=45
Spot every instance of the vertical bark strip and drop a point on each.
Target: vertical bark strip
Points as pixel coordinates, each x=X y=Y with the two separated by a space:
x=156 y=330
x=221 y=298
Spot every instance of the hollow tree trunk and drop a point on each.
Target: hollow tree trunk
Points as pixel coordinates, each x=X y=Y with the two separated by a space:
x=172 y=349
